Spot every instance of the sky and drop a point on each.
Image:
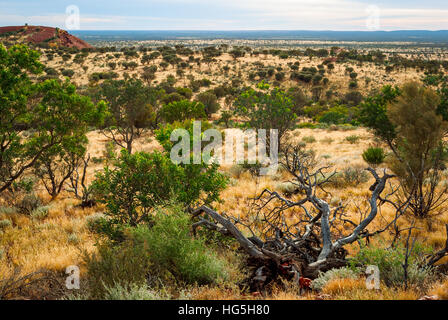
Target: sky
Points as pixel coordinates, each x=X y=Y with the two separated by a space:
x=361 y=15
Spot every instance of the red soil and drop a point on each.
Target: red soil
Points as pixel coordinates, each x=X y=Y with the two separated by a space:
x=39 y=34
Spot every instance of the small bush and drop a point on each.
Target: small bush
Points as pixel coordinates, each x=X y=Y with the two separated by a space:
x=173 y=250
x=40 y=213
x=309 y=139
x=353 y=139
x=374 y=156
x=390 y=263
x=5 y=223
x=306 y=125
x=124 y=265
x=326 y=277
x=133 y=291
x=351 y=176
x=29 y=203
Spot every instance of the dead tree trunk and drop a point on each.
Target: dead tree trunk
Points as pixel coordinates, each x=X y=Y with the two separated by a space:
x=304 y=248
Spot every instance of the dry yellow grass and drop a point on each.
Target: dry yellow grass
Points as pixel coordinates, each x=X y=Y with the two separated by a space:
x=50 y=243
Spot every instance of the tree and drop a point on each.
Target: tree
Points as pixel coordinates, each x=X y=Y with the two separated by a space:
x=182 y=110
x=140 y=182
x=408 y=121
x=266 y=109
x=58 y=164
x=131 y=107
x=52 y=109
x=373 y=113
x=299 y=99
x=419 y=148
x=210 y=102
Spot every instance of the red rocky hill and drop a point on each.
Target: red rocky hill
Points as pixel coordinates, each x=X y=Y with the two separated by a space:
x=54 y=37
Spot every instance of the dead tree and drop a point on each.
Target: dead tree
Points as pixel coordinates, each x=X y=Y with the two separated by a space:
x=299 y=237
x=78 y=184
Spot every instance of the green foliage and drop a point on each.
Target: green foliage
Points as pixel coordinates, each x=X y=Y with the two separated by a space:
x=338 y=114
x=210 y=102
x=266 y=109
x=333 y=274
x=172 y=249
x=52 y=109
x=131 y=106
x=352 y=139
x=182 y=110
x=124 y=264
x=374 y=156
x=351 y=176
x=419 y=148
x=390 y=263
x=373 y=113
x=142 y=181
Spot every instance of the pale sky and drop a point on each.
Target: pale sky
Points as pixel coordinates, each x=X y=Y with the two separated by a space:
x=231 y=14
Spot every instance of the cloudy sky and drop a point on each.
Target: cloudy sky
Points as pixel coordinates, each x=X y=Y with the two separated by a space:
x=230 y=14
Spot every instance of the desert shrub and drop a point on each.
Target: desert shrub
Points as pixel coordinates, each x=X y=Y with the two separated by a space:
x=40 y=213
x=341 y=273
x=374 y=156
x=309 y=139
x=306 y=125
x=253 y=168
x=236 y=171
x=140 y=182
x=390 y=263
x=68 y=73
x=29 y=203
x=123 y=265
x=5 y=223
x=182 y=110
x=353 y=139
x=335 y=115
x=286 y=187
x=351 y=176
x=210 y=102
x=133 y=291
x=173 y=250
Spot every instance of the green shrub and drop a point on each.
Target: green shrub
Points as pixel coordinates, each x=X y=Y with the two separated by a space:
x=172 y=249
x=210 y=102
x=5 y=223
x=351 y=176
x=110 y=266
x=142 y=181
x=309 y=139
x=390 y=263
x=133 y=291
x=40 y=213
x=374 y=156
x=182 y=110
x=341 y=273
x=353 y=139
x=29 y=203
x=306 y=125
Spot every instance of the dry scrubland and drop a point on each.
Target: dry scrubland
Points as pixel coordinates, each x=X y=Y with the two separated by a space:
x=57 y=239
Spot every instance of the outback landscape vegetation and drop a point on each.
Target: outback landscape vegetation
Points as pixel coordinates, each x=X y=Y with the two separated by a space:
x=86 y=177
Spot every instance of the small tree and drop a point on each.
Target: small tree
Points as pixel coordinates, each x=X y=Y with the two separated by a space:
x=210 y=102
x=182 y=110
x=58 y=164
x=52 y=109
x=408 y=121
x=419 y=147
x=131 y=107
x=266 y=109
